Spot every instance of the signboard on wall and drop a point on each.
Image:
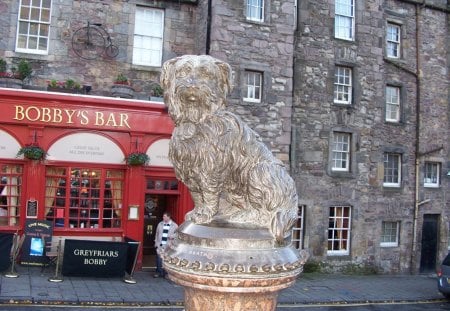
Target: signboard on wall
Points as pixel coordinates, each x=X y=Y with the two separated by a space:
x=94 y=258
x=38 y=233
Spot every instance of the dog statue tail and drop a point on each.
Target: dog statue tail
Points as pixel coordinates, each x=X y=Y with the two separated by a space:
x=282 y=223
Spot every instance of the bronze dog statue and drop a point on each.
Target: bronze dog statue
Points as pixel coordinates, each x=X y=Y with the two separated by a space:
x=231 y=174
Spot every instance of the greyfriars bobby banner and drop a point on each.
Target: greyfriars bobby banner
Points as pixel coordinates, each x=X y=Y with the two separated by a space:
x=94 y=258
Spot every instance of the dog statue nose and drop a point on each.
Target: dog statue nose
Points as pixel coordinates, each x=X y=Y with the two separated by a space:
x=190 y=94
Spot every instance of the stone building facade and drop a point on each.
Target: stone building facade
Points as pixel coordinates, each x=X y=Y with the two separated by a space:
x=313 y=79
x=371 y=123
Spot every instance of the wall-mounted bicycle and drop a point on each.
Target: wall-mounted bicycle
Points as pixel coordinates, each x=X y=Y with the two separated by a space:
x=92 y=41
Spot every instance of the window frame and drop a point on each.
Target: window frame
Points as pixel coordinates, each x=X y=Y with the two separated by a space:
x=437 y=175
x=252 y=88
x=390 y=103
x=346 y=153
x=338 y=16
x=337 y=84
x=389 y=235
x=29 y=22
x=11 y=194
x=391 y=41
x=82 y=197
x=148 y=36
x=344 y=238
x=298 y=229
x=391 y=184
x=255 y=5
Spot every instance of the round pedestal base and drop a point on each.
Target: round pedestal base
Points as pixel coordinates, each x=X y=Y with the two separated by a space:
x=228 y=268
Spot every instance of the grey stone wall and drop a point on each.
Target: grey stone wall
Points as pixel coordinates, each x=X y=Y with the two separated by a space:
x=265 y=47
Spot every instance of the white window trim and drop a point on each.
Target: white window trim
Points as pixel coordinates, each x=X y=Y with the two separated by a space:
x=250 y=99
x=352 y=17
x=392 y=244
x=350 y=86
x=346 y=251
x=249 y=18
x=438 y=173
x=398 y=43
x=33 y=51
x=391 y=184
x=387 y=119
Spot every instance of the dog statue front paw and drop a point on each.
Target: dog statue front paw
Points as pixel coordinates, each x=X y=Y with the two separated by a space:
x=198 y=217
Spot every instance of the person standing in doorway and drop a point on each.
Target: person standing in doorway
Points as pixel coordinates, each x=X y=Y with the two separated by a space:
x=165 y=233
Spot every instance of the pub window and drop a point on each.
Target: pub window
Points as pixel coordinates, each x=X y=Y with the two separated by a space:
x=10 y=191
x=84 y=198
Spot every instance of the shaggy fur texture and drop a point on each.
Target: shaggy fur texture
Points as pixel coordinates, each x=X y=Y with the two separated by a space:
x=231 y=174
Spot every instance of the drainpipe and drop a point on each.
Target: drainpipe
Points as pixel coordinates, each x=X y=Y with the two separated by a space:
x=208 y=28
x=417 y=146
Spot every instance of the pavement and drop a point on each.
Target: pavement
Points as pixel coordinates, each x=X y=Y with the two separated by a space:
x=32 y=286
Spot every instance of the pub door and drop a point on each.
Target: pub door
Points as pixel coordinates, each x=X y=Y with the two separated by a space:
x=429 y=243
x=155 y=206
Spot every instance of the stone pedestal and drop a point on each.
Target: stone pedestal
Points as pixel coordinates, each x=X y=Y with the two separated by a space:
x=223 y=267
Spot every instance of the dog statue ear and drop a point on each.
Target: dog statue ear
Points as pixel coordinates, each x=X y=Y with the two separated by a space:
x=225 y=71
x=166 y=73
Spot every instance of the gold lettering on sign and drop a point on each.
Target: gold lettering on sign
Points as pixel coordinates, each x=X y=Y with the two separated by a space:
x=70 y=116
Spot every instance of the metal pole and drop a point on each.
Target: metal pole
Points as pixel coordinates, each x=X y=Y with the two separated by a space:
x=57 y=277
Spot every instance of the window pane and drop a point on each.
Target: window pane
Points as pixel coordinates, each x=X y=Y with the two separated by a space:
x=24 y=13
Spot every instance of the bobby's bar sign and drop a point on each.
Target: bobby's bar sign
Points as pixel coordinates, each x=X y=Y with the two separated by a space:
x=71 y=116
x=94 y=258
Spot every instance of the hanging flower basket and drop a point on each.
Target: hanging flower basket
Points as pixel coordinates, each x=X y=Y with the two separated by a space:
x=137 y=159
x=32 y=152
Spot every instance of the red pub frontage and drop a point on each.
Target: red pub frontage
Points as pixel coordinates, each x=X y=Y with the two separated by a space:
x=85 y=186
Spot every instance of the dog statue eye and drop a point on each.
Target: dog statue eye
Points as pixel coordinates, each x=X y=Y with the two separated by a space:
x=183 y=72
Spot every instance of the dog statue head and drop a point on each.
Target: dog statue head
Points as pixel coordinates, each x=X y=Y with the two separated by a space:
x=195 y=86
